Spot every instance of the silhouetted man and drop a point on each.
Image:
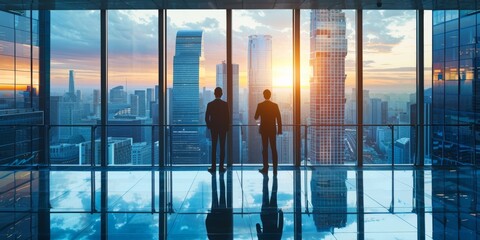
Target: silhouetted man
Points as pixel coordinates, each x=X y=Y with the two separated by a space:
x=271 y=216
x=217 y=119
x=269 y=118
x=219 y=222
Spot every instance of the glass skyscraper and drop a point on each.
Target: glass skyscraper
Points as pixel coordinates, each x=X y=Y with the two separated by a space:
x=328 y=49
x=455 y=99
x=259 y=79
x=187 y=74
x=19 y=49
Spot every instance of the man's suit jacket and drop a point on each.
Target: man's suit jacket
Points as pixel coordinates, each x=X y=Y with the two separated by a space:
x=269 y=113
x=217 y=115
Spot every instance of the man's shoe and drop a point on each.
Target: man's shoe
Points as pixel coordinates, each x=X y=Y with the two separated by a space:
x=211 y=170
x=275 y=172
x=263 y=170
x=222 y=169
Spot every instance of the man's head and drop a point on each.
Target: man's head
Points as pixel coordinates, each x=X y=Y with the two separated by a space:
x=218 y=92
x=267 y=94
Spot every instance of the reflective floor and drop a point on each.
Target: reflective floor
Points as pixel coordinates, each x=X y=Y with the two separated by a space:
x=313 y=203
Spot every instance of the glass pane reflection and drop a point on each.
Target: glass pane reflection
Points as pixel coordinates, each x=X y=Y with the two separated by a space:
x=315 y=203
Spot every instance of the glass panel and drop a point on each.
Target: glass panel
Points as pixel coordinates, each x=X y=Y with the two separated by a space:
x=389 y=95
x=196 y=65
x=328 y=85
x=75 y=84
x=132 y=78
x=72 y=225
x=70 y=191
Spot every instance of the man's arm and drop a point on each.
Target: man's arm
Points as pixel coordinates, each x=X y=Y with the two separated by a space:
x=279 y=120
x=207 y=116
x=257 y=112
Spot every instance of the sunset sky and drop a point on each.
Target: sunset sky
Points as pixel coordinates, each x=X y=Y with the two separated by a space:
x=389 y=46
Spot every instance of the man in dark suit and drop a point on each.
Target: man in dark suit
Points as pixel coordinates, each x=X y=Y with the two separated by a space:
x=269 y=114
x=217 y=119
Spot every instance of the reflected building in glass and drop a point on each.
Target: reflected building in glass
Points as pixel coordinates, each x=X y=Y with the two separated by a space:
x=187 y=74
x=19 y=105
x=259 y=79
x=329 y=199
x=455 y=95
x=328 y=49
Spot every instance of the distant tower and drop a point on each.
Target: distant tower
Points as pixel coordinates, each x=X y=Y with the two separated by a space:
x=71 y=82
x=328 y=49
x=259 y=79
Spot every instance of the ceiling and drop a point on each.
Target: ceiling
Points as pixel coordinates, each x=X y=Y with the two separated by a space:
x=237 y=4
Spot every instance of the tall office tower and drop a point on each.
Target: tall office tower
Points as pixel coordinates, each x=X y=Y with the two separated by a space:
x=375 y=113
x=187 y=74
x=384 y=112
x=118 y=95
x=96 y=102
x=455 y=95
x=259 y=79
x=71 y=82
x=148 y=101
x=328 y=49
x=236 y=130
x=134 y=105
x=141 y=103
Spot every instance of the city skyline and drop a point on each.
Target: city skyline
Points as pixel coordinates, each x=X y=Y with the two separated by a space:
x=143 y=59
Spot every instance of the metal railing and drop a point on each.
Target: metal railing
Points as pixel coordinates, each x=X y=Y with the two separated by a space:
x=375 y=150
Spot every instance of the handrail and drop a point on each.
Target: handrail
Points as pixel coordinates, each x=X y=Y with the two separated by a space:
x=239 y=125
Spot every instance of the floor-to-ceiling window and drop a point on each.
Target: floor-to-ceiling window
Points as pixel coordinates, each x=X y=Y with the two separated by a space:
x=328 y=73
x=74 y=86
x=263 y=54
x=389 y=86
x=196 y=55
x=132 y=80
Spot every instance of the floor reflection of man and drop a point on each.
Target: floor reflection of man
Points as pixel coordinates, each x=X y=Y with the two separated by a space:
x=219 y=221
x=271 y=216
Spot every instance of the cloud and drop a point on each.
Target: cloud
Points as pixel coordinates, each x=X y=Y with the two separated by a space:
x=379 y=28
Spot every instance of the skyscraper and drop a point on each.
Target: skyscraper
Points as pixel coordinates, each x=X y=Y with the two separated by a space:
x=455 y=94
x=96 y=102
x=142 y=110
x=222 y=82
x=118 y=95
x=259 y=79
x=71 y=82
x=187 y=64
x=328 y=49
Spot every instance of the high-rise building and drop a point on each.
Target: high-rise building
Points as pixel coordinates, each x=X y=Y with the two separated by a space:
x=187 y=74
x=236 y=130
x=96 y=102
x=455 y=95
x=259 y=79
x=134 y=105
x=142 y=109
x=148 y=101
x=118 y=95
x=328 y=49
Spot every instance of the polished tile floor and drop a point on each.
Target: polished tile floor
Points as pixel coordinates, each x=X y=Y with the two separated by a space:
x=310 y=203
